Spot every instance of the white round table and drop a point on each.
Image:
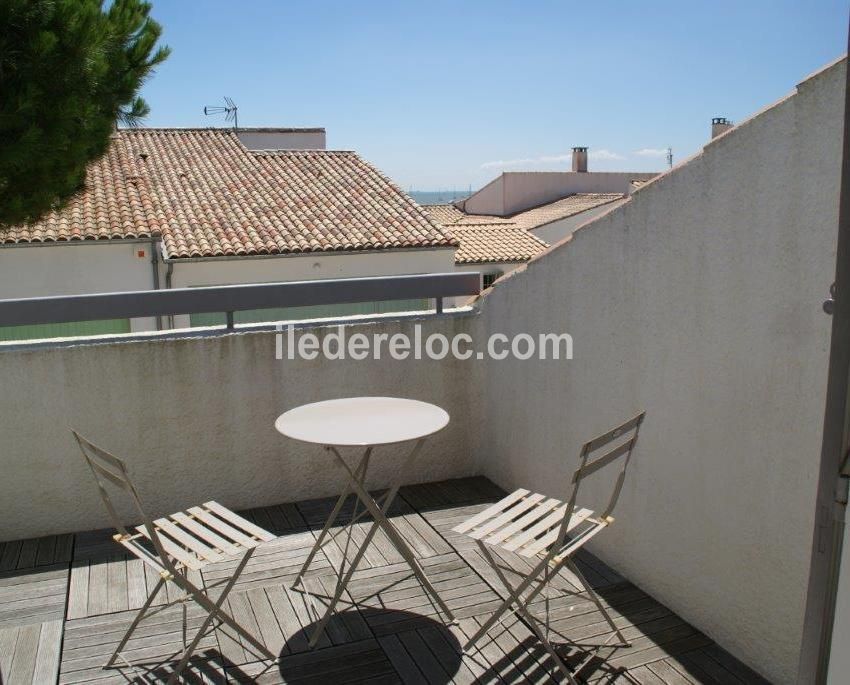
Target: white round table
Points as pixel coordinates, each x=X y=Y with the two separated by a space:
x=364 y=422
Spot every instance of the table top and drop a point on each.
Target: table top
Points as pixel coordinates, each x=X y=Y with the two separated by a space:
x=362 y=421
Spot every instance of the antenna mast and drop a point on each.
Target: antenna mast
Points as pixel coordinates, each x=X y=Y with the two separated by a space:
x=230 y=111
x=669 y=157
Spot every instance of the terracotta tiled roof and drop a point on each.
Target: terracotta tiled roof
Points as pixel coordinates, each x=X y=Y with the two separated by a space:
x=487 y=238
x=444 y=214
x=562 y=209
x=450 y=216
x=495 y=243
x=208 y=196
x=116 y=204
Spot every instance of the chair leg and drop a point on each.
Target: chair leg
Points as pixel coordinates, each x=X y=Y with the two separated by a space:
x=592 y=594
x=559 y=662
x=512 y=596
x=214 y=611
x=522 y=609
x=136 y=621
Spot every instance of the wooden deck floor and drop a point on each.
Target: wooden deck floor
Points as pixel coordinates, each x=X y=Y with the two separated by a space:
x=65 y=601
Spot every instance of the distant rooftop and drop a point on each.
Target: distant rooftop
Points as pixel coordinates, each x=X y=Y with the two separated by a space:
x=241 y=129
x=489 y=238
x=451 y=216
x=495 y=243
x=207 y=195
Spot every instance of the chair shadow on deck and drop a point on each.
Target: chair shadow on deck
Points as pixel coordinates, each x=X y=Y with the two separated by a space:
x=205 y=666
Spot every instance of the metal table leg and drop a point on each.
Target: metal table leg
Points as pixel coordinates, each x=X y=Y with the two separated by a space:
x=357 y=478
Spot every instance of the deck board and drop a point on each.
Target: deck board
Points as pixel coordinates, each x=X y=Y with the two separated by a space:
x=65 y=602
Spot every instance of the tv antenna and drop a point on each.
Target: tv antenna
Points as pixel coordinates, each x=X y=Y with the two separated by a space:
x=230 y=111
x=669 y=157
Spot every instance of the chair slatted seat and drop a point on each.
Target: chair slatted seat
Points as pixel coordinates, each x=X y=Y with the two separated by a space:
x=176 y=544
x=194 y=543
x=551 y=531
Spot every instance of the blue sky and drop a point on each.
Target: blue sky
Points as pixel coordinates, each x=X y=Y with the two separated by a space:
x=443 y=95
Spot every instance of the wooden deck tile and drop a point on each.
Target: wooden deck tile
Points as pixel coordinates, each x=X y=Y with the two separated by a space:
x=512 y=654
x=278 y=519
x=741 y=670
x=710 y=664
x=671 y=641
x=396 y=591
x=359 y=661
x=421 y=537
x=30 y=653
x=316 y=511
x=451 y=493
x=35 y=595
x=114 y=584
x=34 y=553
x=273 y=563
x=153 y=650
x=667 y=670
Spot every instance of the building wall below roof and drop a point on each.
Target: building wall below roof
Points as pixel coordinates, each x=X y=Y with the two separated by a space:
x=74 y=268
x=488 y=200
x=699 y=301
x=526 y=190
x=556 y=231
x=309 y=267
x=77 y=269
x=516 y=191
x=100 y=267
x=282 y=140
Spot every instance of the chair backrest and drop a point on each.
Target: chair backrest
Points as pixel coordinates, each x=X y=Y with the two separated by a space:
x=108 y=470
x=613 y=446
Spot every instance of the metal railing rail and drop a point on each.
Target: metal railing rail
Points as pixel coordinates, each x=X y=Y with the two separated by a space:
x=233 y=298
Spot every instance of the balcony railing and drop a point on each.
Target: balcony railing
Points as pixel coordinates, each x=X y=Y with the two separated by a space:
x=234 y=298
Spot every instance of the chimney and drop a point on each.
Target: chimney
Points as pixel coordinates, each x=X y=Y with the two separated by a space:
x=580 y=159
x=720 y=125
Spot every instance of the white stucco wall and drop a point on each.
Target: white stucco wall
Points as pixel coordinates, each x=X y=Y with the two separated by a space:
x=76 y=269
x=308 y=267
x=312 y=266
x=700 y=302
x=194 y=419
x=92 y=267
x=516 y=191
x=531 y=189
x=556 y=231
x=488 y=200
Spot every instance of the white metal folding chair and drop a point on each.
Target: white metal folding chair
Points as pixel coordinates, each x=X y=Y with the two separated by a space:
x=549 y=533
x=175 y=545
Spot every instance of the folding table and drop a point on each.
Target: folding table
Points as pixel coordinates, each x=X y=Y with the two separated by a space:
x=364 y=422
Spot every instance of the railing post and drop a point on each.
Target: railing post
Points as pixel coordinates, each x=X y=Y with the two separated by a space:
x=439 y=305
x=230 y=320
